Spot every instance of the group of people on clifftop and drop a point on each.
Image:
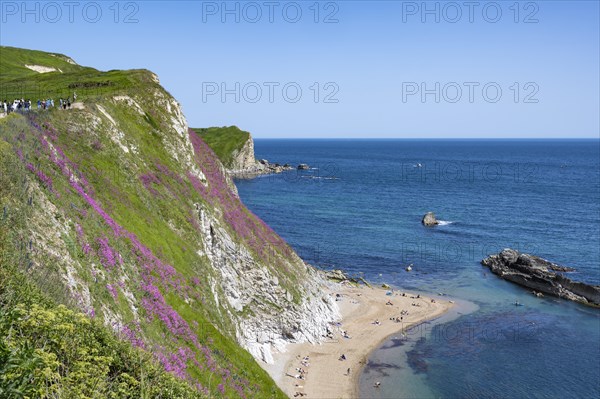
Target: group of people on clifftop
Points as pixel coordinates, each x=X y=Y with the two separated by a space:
x=15 y=106
x=25 y=105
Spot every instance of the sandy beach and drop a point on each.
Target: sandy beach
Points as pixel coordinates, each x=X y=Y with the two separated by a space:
x=324 y=374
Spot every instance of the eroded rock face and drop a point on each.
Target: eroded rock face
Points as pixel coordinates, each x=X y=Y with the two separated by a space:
x=245 y=166
x=541 y=275
x=243 y=158
x=273 y=318
x=429 y=219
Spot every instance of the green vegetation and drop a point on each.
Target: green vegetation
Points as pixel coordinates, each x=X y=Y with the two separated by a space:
x=122 y=224
x=18 y=81
x=13 y=61
x=48 y=350
x=224 y=141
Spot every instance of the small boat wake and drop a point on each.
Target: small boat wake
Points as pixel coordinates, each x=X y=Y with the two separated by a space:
x=444 y=222
x=320 y=178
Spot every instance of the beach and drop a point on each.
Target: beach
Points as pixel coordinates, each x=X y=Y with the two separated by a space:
x=366 y=314
x=369 y=223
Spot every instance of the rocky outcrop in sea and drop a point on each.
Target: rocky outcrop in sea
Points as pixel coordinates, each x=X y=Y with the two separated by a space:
x=541 y=275
x=429 y=219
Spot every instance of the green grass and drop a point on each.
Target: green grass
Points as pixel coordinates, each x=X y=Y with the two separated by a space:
x=48 y=350
x=224 y=141
x=140 y=214
x=13 y=61
x=115 y=178
x=17 y=81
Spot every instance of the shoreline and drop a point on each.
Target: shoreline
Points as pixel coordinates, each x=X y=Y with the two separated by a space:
x=325 y=374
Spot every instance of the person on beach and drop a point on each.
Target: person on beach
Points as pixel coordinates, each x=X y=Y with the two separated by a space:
x=343 y=357
x=348 y=371
x=377 y=384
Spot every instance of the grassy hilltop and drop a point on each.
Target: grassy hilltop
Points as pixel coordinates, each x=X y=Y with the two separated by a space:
x=224 y=141
x=19 y=81
x=121 y=232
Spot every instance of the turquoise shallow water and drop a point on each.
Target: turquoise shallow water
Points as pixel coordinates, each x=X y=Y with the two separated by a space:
x=360 y=209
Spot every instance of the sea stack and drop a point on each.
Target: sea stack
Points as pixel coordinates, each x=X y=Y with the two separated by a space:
x=429 y=219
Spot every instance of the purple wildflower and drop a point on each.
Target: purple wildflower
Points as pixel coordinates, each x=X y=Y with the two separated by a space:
x=106 y=253
x=112 y=290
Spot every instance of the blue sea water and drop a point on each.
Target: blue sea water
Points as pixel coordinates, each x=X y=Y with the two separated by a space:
x=359 y=208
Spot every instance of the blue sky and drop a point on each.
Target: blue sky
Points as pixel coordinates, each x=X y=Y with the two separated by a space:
x=354 y=69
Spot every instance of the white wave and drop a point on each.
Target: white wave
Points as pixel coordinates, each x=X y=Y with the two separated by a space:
x=444 y=222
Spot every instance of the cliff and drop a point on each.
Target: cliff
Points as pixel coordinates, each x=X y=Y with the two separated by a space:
x=127 y=216
x=233 y=146
x=235 y=149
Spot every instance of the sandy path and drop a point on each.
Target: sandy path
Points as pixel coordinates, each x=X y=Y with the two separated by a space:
x=326 y=376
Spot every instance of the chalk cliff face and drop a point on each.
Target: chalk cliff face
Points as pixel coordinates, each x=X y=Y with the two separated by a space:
x=274 y=317
x=243 y=159
x=270 y=308
x=240 y=162
x=135 y=221
x=235 y=149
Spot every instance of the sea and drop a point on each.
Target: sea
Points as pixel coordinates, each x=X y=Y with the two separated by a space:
x=359 y=208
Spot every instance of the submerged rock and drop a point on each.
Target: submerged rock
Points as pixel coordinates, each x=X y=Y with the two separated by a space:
x=429 y=219
x=541 y=275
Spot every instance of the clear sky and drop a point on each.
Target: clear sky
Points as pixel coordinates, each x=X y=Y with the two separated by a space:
x=346 y=68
